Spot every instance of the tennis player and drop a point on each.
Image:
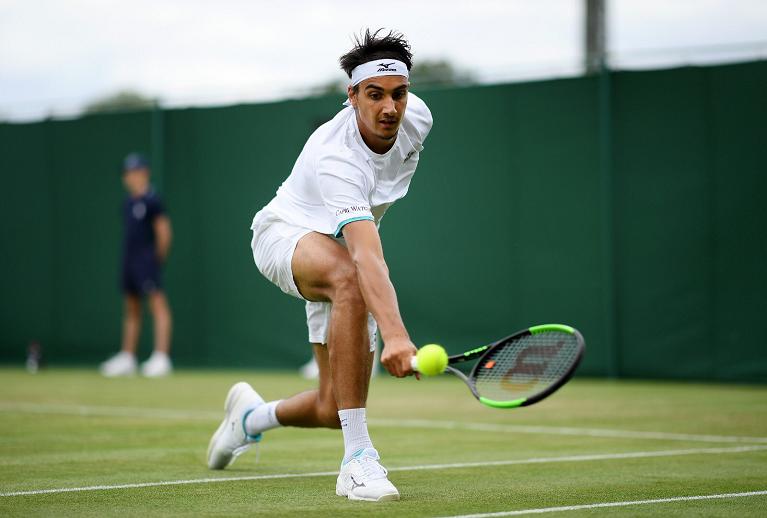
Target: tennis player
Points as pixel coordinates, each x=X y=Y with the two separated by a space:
x=318 y=240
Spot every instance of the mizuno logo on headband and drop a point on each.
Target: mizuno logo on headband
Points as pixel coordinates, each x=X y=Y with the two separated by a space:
x=378 y=68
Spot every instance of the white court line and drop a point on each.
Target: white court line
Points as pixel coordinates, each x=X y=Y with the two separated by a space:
x=159 y=413
x=562 y=430
x=107 y=411
x=534 y=460
x=542 y=510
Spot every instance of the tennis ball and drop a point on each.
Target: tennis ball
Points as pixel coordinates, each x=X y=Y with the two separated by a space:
x=432 y=360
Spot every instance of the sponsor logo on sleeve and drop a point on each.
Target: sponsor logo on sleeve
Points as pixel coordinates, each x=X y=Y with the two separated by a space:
x=353 y=209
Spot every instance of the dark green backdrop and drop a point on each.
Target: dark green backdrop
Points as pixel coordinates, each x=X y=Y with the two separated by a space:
x=629 y=205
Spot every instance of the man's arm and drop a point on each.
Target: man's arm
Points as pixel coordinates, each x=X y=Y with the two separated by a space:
x=365 y=249
x=163 y=236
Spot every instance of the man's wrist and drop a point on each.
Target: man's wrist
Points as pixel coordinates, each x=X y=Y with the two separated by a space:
x=395 y=337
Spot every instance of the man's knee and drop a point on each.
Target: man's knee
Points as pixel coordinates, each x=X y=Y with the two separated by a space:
x=346 y=287
x=158 y=303
x=132 y=306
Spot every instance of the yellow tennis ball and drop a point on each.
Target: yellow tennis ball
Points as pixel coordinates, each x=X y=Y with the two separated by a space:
x=432 y=360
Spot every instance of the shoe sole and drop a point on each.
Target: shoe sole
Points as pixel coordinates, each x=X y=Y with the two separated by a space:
x=383 y=498
x=231 y=397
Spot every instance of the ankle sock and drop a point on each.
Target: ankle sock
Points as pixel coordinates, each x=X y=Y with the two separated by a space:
x=262 y=418
x=355 y=428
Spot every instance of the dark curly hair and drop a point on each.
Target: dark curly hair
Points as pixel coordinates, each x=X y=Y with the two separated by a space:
x=370 y=46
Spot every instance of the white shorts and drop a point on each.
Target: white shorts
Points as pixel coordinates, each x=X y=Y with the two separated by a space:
x=274 y=242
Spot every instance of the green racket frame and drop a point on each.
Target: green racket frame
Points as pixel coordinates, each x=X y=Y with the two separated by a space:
x=486 y=350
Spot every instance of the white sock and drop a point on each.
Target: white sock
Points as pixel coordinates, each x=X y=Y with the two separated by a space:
x=263 y=418
x=354 y=425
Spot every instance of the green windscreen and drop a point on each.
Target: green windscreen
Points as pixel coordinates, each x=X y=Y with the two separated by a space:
x=633 y=212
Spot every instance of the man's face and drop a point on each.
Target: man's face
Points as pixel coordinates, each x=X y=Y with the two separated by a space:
x=136 y=181
x=380 y=103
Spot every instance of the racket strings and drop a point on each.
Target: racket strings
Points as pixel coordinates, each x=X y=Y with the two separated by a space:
x=526 y=366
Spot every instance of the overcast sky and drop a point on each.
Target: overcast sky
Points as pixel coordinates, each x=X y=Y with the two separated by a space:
x=56 y=55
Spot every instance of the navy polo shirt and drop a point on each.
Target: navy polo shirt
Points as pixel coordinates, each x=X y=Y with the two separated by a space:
x=138 y=219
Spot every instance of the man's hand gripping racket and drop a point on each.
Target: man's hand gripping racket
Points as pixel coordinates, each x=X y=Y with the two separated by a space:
x=518 y=370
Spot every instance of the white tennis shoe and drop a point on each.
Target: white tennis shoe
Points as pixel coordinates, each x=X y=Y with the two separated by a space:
x=363 y=478
x=157 y=366
x=310 y=370
x=230 y=440
x=121 y=364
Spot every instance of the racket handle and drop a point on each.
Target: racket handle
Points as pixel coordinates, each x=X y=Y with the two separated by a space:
x=414 y=363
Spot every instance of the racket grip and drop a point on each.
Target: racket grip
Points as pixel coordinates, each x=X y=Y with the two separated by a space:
x=414 y=363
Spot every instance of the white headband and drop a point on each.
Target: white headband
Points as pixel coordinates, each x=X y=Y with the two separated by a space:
x=379 y=67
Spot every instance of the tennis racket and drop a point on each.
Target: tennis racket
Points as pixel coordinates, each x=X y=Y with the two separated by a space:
x=523 y=368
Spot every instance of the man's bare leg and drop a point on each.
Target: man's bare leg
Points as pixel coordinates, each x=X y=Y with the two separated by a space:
x=124 y=363
x=313 y=408
x=131 y=324
x=317 y=408
x=163 y=322
x=323 y=271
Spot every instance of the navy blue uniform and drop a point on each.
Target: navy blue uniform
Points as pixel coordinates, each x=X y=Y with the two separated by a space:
x=141 y=267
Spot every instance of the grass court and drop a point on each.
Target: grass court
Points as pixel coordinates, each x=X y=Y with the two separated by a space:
x=75 y=444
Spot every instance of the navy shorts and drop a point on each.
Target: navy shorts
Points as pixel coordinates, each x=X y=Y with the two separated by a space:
x=141 y=277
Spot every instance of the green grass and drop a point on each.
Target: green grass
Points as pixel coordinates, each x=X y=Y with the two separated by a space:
x=72 y=428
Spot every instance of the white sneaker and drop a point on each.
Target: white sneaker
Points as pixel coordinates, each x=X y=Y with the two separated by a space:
x=121 y=364
x=363 y=478
x=157 y=366
x=231 y=440
x=310 y=370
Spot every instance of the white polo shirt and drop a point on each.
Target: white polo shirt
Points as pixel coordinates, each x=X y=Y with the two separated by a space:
x=337 y=179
